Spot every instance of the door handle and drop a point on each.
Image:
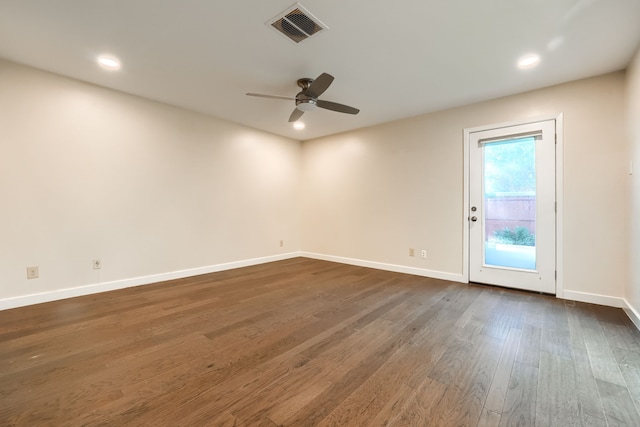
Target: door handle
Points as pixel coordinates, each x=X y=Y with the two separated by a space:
x=474 y=219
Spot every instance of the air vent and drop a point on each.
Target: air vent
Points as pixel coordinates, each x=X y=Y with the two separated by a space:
x=297 y=23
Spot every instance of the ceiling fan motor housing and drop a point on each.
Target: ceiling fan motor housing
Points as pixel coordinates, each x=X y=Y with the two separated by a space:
x=304 y=83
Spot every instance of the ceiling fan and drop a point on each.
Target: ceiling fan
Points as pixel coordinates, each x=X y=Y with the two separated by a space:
x=307 y=98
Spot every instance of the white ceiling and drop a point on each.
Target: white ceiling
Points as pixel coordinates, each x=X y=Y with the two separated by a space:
x=390 y=59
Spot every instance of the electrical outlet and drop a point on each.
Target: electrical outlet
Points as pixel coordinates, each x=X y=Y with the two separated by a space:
x=97 y=264
x=33 y=272
x=412 y=252
x=423 y=253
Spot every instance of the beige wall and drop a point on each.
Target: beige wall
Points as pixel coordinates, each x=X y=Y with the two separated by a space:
x=633 y=102
x=87 y=172
x=373 y=193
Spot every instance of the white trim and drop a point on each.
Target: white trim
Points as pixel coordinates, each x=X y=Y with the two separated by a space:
x=59 y=294
x=465 y=204
x=616 y=302
x=595 y=299
x=442 y=275
x=509 y=124
x=632 y=313
x=559 y=118
x=21 y=301
x=560 y=205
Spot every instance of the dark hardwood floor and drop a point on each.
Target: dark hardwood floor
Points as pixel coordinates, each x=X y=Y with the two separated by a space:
x=305 y=342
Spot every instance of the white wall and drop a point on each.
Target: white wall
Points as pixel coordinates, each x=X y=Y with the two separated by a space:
x=149 y=189
x=371 y=194
x=633 y=103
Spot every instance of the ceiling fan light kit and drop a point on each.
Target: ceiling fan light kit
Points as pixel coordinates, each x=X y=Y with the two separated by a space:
x=307 y=98
x=306 y=104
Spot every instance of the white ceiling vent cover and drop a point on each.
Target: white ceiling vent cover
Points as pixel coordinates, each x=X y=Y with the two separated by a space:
x=297 y=23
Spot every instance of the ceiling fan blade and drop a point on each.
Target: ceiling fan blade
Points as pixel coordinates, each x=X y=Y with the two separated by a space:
x=319 y=85
x=295 y=115
x=260 y=95
x=334 y=106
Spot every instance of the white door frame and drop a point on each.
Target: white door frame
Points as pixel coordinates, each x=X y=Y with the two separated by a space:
x=559 y=193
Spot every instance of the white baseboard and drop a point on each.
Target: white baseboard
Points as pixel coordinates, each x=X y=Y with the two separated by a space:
x=622 y=303
x=59 y=294
x=632 y=313
x=388 y=267
x=594 y=298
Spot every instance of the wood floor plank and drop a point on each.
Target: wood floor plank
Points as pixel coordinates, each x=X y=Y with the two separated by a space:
x=253 y=380
x=632 y=378
x=534 y=308
x=481 y=308
x=274 y=402
x=556 y=401
x=618 y=405
x=427 y=347
x=556 y=333
x=489 y=419
x=463 y=401
x=501 y=380
x=451 y=362
x=591 y=409
x=281 y=412
x=557 y=342
x=328 y=401
x=529 y=346
x=519 y=407
x=590 y=404
x=379 y=388
x=603 y=362
x=621 y=336
x=305 y=342
x=508 y=315
x=412 y=406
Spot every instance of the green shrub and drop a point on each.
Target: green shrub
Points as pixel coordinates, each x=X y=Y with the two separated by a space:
x=518 y=236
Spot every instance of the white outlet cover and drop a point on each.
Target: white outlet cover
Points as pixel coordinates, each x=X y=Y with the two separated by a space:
x=33 y=272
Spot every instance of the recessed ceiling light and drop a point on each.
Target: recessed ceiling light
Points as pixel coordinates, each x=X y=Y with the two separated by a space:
x=528 y=61
x=298 y=125
x=109 y=62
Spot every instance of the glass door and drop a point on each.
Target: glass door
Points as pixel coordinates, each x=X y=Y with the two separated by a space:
x=512 y=206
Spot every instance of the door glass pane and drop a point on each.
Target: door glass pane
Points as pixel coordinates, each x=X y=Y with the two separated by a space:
x=510 y=203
